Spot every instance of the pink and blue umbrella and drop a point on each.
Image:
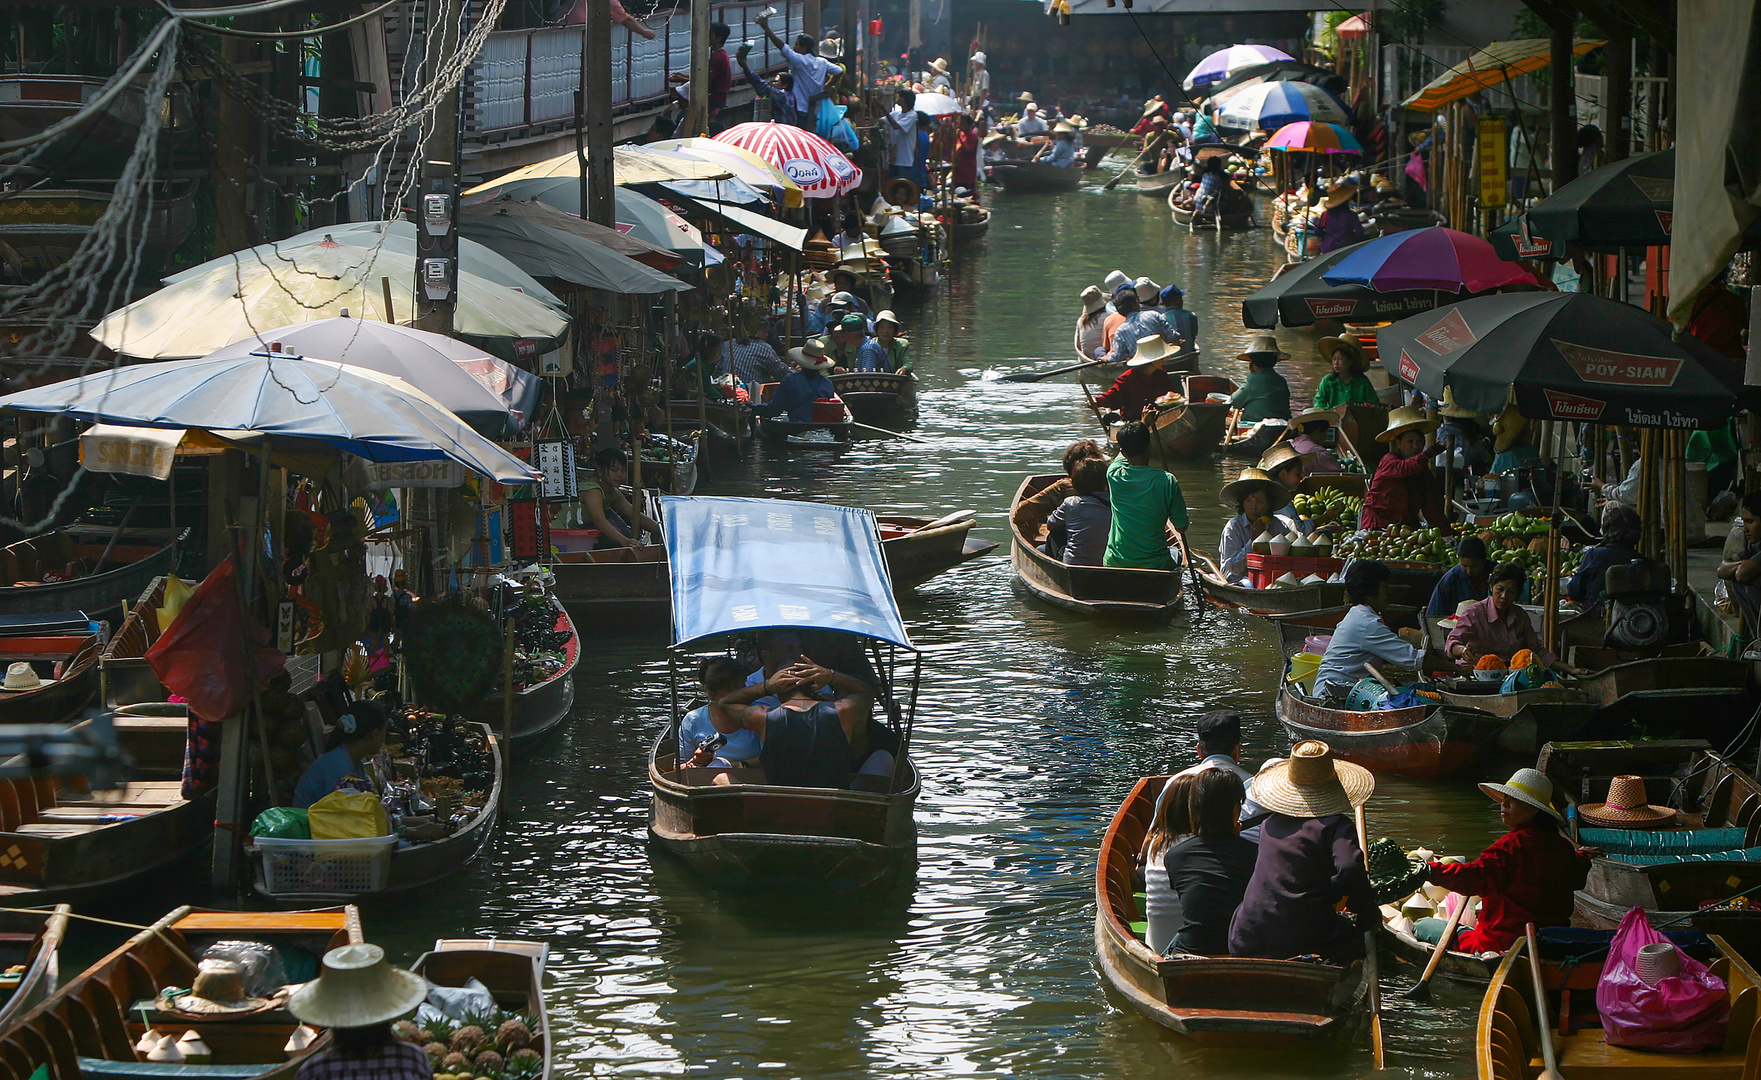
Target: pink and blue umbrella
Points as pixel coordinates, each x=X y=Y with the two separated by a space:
x=1226 y=62
x=1433 y=258
x=1270 y=106
x=1315 y=137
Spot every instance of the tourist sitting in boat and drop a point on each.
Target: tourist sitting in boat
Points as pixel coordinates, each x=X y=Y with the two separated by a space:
x=1264 y=395
x=1184 y=322
x=1743 y=573
x=1465 y=581
x=1209 y=871
x=1031 y=123
x=808 y=741
x=1308 y=429
x=1142 y=382
x=750 y=359
x=1346 y=382
x=844 y=300
x=1032 y=512
x=719 y=676
x=1285 y=464
x=1077 y=531
x=1170 y=822
x=796 y=394
x=1308 y=860
x=1405 y=487
x=356 y=996
x=887 y=349
x=1149 y=294
x=849 y=339
x=605 y=506
x=1219 y=747
x=1497 y=625
x=359 y=736
x=1527 y=876
x=1145 y=500
x=1339 y=226
x=1136 y=325
x=1363 y=636
x=1091 y=323
x=1061 y=151
x=778 y=650
x=1620 y=545
x=1252 y=494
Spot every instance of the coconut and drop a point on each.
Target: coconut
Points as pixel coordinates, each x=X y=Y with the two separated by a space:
x=1417 y=906
x=1314 y=579
x=1285 y=580
x=148 y=1040
x=300 y=1039
x=1262 y=544
x=194 y=1050
x=1280 y=545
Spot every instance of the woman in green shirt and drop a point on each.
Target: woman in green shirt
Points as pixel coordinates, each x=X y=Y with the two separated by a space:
x=1347 y=382
x=898 y=349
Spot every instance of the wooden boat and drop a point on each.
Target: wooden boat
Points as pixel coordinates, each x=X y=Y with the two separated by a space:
x=1424 y=742
x=70 y=659
x=831 y=417
x=1216 y=1001
x=1098 y=592
x=1697 y=696
x=1196 y=426
x=961 y=232
x=677 y=473
x=876 y=396
x=124 y=572
x=1181 y=365
x=1506 y=1046
x=512 y=971
x=293 y=874
x=88 y=1028
x=1036 y=177
x=1093 y=139
x=1456 y=966
x=1159 y=184
x=30 y=946
x=541 y=706
x=1537 y=717
x=1241 y=217
x=610 y=588
x=917 y=549
x=1252 y=442
x=1289 y=600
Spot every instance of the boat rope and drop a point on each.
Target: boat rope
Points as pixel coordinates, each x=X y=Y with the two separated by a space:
x=158 y=931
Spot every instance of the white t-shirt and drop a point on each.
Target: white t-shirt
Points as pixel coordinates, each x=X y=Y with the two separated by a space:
x=1031 y=125
x=902 y=139
x=810 y=75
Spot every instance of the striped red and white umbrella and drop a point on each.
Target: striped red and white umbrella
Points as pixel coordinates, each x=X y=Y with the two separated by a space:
x=810 y=161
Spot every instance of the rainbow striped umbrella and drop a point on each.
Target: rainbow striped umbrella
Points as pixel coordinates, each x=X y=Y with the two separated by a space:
x=817 y=166
x=1270 y=106
x=1314 y=136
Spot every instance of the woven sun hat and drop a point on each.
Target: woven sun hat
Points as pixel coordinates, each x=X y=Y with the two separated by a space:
x=1341 y=193
x=1454 y=411
x=888 y=316
x=1327 y=346
x=217 y=993
x=811 y=356
x=1279 y=456
x=1529 y=786
x=993 y=138
x=1309 y=416
x=1148 y=292
x=1264 y=345
x=1150 y=350
x=1026 y=97
x=1625 y=807
x=20 y=676
x=1110 y=284
x=1309 y=783
x=357 y=988
x=1030 y=107
x=1251 y=479
x=1406 y=418
x=1657 y=962
x=831 y=49
x=1063 y=127
x=1093 y=299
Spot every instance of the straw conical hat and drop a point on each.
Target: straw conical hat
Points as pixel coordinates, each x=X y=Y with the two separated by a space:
x=357 y=988
x=1251 y=480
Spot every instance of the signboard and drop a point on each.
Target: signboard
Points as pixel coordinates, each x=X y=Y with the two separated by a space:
x=1448 y=334
x=1493 y=155
x=131 y=451
x=556 y=460
x=1562 y=406
x=385 y=475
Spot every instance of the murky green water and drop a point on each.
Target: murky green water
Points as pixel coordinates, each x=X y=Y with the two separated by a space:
x=1032 y=727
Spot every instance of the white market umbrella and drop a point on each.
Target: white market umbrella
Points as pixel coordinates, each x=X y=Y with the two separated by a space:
x=400 y=237
x=243 y=294
x=629 y=165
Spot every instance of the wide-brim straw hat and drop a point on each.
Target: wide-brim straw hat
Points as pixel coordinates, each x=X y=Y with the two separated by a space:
x=1150 y=349
x=1063 y=127
x=1310 y=783
x=1153 y=104
x=812 y=357
x=993 y=139
x=1264 y=345
x=1279 y=456
x=1456 y=412
x=1508 y=428
x=1025 y=97
x=1093 y=299
x=1251 y=479
x=1341 y=193
x=939 y=64
x=21 y=677
x=1406 y=418
x=1625 y=807
x=1529 y=786
x=1309 y=416
x=886 y=315
x=1327 y=346
x=357 y=988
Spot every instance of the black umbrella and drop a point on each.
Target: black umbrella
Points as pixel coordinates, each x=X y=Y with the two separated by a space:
x=1626 y=203
x=1570 y=356
x=1300 y=297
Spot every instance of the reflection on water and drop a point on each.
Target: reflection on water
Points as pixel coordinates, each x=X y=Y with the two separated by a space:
x=1032 y=726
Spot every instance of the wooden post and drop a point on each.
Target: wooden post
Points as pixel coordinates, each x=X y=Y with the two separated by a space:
x=507 y=706
x=1562 y=88
x=811 y=18
x=697 y=115
x=1618 y=58
x=597 y=202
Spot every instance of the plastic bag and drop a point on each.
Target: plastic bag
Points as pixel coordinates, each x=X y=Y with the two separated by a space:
x=282 y=823
x=1683 y=1013
x=458 y=1002
x=177 y=594
x=206 y=656
x=348 y=815
x=259 y=964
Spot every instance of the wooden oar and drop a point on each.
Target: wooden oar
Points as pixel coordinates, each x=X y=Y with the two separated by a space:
x=1092 y=404
x=1036 y=376
x=1153 y=144
x=884 y=431
x=1372 y=972
x=1549 y=1067
x=948 y=519
x=1421 y=990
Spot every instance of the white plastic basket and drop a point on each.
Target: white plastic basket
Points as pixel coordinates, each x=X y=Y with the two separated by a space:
x=326 y=866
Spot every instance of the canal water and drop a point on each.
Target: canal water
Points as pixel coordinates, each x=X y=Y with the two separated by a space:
x=1032 y=726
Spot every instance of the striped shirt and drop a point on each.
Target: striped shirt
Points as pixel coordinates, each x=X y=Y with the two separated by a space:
x=751 y=362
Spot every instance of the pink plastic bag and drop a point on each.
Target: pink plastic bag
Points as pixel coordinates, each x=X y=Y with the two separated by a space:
x=1683 y=1013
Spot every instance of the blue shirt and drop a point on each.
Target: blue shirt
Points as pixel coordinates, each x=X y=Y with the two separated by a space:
x=1454 y=587
x=322 y=777
x=1139 y=324
x=1063 y=153
x=796 y=394
x=742 y=745
x=1184 y=322
x=1588 y=585
x=871 y=357
x=782 y=102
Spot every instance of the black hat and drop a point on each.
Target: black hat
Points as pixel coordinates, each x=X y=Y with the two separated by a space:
x=1220 y=729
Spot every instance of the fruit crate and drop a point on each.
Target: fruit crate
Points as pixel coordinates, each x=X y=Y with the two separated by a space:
x=1262 y=570
x=325 y=866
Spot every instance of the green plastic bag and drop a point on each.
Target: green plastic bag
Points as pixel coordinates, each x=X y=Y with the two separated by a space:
x=282 y=823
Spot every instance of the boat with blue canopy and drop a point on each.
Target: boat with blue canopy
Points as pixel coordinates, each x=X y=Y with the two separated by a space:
x=741 y=568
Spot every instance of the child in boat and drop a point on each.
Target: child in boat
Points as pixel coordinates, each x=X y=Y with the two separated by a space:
x=1161 y=904
x=1076 y=533
x=1210 y=869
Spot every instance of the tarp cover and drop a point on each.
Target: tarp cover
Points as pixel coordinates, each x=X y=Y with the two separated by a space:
x=746 y=564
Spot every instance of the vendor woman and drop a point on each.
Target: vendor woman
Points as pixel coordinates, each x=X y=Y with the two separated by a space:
x=1308 y=429
x=1405 y=487
x=1252 y=494
x=1497 y=625
x=1285 y=465
x=361 y=735
x=1528 y=875
x=1346 y=383
x=605 y=505
x=355 y=997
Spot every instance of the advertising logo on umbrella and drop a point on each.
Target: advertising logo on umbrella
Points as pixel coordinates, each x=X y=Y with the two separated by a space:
x=1448 y=334
x=1330 y=309
x=804 y=172
x=1617 y=368
x=842 y=170
x=1572 y=407
x=1409 y=368
x=1665 y=218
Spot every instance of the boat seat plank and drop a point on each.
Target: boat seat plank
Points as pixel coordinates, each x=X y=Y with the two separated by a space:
x=78 y=815
x=62 y=829
x=1309 y=1020
x=205 y=922
x=1585 y=1056
x=97 y=1068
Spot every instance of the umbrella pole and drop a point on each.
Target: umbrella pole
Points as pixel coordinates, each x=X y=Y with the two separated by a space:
x=1550 y=594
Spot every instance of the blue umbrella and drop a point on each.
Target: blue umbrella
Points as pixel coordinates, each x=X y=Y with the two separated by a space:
x=1223 y=63
x=1269 y=106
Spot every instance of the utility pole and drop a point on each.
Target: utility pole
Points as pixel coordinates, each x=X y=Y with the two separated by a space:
x=437 y=206
x=1562 y=88
x=697 y=116
x=595 y=144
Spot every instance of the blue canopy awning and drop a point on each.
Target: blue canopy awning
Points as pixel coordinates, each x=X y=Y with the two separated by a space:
x=748 y=564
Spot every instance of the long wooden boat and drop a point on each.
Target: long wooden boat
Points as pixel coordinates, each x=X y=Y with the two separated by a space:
x=876 y=396
x=88 y=1028
x=30 y=952
x=1424 y=742
x=1215 y=1001
x=801 y=434
x=917 y=549
x=99 y=144
x=1290 y=600
x=1253 y=442
x=1697 y=696
x=1181 y=365
x=961 y=232
x=542 y=705
x=513 y=973
x=1036 y=177
x=66 y=662
x=128 y=570
x=1234 y=220
x=1098 y=592
x=1193 y=428
x=302 y=877
x=1537 y=717
x=1507 y=1046
x=630 y=584
x=1159 y=184
x=1456 y=966
x=45 y=226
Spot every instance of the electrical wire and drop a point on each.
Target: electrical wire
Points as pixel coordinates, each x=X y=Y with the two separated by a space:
x=282 y=35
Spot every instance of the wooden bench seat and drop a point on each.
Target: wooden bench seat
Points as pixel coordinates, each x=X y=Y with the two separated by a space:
x=1584 y=1055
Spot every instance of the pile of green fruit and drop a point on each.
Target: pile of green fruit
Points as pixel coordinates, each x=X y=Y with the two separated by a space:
x=1328 y=505
x=1519 y=539
x=1399 y=543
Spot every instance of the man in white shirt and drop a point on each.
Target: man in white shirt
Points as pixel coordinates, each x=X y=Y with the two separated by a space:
x=810 y=71
x=1030 y=122
x=1362 y=636
x=1219 y=747
x=901 y=128
x=978 y=83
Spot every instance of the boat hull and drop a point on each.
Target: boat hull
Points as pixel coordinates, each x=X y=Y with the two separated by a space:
x=1036 y=177
x=1195 y=429
x=1424 y=742
x=1458 y=967
x=538 y=709
x=876 y=397
x=1097 y=592
x=512 y=971
x=1158 y=184
x=962 y=232
x=99 y=592
x=916 y=556
x=1285 y=601
x=609 y=589
x=1232 y=222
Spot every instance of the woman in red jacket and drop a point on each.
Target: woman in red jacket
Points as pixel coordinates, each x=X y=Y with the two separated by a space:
x=1405 y=486
x=1528 y=875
